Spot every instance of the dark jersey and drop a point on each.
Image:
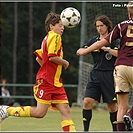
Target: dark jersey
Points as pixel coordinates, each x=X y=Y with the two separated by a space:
x=124 y=31
x=103 y=60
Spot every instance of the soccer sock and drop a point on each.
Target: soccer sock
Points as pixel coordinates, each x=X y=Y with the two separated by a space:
x=131 y=112
x=87 y=115
x=113 y=119
x=23 y=111
x=121 y=126
x=68 y=125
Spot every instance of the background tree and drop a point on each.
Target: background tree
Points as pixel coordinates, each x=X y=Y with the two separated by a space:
x=53 y=6
x=30 y=53
x=15 y=46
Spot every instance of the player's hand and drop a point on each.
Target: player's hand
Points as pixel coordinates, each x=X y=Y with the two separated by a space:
x=66 y=64
x=104 y=48
x=80 y=51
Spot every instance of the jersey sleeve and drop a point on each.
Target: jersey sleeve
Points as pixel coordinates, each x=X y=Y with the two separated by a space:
x=38 y=53
x=115 y=44
x=114 y=34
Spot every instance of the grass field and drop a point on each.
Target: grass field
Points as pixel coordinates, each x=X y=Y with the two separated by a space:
x=51 y=122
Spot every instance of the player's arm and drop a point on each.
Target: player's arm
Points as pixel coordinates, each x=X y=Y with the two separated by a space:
x=114 y=52
x=39 y=61
x=59 y=61
x=94 y=46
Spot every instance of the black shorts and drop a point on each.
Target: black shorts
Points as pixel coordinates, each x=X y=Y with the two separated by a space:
x=101 y=83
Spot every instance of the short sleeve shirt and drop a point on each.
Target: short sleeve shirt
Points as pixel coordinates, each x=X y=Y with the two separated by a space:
x=124 y=31
x=49 y=71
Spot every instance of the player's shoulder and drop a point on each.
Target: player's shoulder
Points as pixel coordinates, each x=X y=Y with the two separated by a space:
x=53 y=34
x=129 y=21
x=94 y=39
x=124 y=24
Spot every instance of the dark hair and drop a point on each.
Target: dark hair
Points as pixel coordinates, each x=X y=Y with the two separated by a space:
x=52 y=18
x=105 y=20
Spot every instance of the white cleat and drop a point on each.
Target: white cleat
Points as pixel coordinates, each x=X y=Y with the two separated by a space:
x=128 y=122
x=3 y=113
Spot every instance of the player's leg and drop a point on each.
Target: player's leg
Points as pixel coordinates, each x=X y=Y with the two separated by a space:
x=112 y=107
x=23 y=111
x=40 y=94
x=40 y=111
x=6 y=111
x=67 y=123
x=60 y=101
x=92 y=94
x=87 y=112
x=109 y=97
x=122 y=76
x=122 y=109
x=28 y=111
x=128 y=122
x=128 y=119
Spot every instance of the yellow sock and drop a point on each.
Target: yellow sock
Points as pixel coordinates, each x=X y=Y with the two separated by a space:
x=23 y=111
x=68 y=125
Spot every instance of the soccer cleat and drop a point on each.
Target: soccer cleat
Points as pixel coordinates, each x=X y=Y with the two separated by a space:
x=3 y=113
x=128 y=122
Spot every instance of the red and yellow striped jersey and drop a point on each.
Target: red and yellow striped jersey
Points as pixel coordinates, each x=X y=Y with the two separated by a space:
x=49 y=71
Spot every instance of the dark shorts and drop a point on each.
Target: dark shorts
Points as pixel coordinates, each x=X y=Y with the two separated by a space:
x=101 y=83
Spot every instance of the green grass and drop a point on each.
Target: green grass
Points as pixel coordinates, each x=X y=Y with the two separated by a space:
x=51 y=122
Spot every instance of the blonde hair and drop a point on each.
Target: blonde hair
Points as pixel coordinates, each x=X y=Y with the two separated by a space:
x=130 y=9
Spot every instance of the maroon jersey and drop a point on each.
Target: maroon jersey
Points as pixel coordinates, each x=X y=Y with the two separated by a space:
x=124 y=31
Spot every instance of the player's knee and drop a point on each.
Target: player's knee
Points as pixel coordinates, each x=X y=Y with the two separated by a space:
x=64 y=108
x=112 y=107
x=88 y=103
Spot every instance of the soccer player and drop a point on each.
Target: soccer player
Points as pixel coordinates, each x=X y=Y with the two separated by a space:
x=48 y=89
x=97 y=86
x=123 y=73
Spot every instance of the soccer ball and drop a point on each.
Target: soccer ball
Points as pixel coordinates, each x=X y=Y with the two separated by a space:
x=70 y=17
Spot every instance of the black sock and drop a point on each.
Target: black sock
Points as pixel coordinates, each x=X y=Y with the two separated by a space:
x=87 y=115
x=113 y=119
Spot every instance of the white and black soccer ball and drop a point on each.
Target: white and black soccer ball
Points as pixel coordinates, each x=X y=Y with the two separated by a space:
x=70 y=17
